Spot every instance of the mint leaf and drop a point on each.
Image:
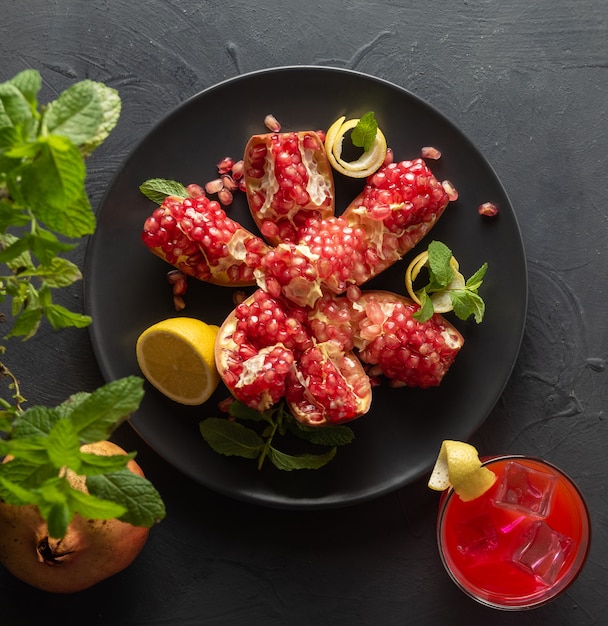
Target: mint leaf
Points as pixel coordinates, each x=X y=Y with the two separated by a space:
x=60 y=317
x=426 y=310
x=37 y=421
x=91 y=507
x=242 y=411
x=53 y=183
x=15 y=110
x=14 y=493
x=143 y=504
x=289 y=462
x=364 y=133
x=475 y=281
x=58 y=273
x=96 y=415
x=94 y=464
x=63 y=446
x=467 y=303
x=32 y=450
x=58 y=516
x=111 y=105
x=231 y=438
x=157 y=189
x=45 y=245
x=27 y=323
x=76 y=114
x=334 y=435
x=439 y=265
x=28 y=82
x=75 y=219
x=27 y=475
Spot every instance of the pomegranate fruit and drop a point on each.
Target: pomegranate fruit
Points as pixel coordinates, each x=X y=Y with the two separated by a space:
x=394 y=344
x=287 y=178
x=91 y=550
x=265 y=351
x=197 y=237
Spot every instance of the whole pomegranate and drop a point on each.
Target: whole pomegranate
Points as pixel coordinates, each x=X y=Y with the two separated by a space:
x=91 y=550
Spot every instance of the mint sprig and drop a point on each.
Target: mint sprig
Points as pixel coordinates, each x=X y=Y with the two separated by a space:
x=44 y=443
x=466 y=301
x=364 y=133
x=43 y=200
x=230 y=437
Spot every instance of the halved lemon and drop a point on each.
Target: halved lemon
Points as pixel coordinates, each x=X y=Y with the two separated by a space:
x=367 y=163
x=176 y=356
x=458 y=466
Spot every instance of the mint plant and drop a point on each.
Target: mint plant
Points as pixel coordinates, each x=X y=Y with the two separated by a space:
x=44 y=211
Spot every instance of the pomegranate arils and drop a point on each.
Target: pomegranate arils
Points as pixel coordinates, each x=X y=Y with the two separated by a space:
x=405 y=351
x=288 y=178
x=262 y=377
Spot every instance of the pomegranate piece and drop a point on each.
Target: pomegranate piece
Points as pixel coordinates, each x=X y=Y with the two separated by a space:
x=287 y=179
x=197 y=237
x=399 y=205
x=390 y=340
x=266 y=350
x=328 y=386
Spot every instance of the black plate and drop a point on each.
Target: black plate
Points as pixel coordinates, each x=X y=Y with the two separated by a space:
x=398 y=440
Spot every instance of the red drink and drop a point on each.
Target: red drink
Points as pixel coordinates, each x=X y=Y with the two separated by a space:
x=522 y=542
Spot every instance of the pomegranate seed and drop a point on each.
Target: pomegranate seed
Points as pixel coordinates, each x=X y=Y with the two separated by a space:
x=179 y=303
x=214 y=186
x=195 y=191
x=229 y=183
x=238 y=297
x=429 y=152
x=450 y=190
x=224 y=405
x=225 y=197
x=488 y=208
x=174 y=276
x=238 y=169
x=272 y=124
x=225 y=165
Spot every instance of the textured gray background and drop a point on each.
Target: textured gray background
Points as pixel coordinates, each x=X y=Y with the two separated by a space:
x=527 y=81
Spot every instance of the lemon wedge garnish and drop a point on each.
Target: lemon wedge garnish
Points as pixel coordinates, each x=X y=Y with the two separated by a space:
x=176 y=356
x=458 y=466
x=442 y=303
x=367 y=163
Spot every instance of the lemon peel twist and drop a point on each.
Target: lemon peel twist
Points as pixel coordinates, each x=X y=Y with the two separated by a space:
x=458 y=466
x=367 y=163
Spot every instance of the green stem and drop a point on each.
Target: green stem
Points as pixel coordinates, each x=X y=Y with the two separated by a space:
x=264 y=452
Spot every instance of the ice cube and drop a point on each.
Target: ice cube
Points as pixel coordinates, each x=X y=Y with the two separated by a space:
x=543 y=552
x=525 y=489
x=476 y=536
